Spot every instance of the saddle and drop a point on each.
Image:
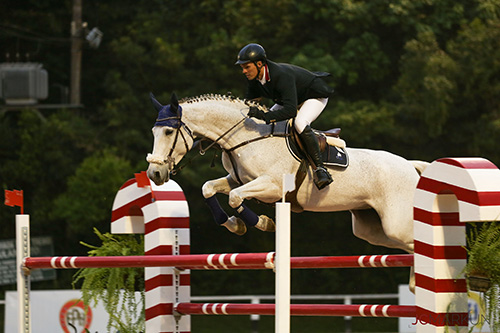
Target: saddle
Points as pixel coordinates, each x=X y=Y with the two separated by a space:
x=333 y=153
x=331 y=146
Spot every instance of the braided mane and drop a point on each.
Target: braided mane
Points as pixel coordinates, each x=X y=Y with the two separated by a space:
x=217 y=97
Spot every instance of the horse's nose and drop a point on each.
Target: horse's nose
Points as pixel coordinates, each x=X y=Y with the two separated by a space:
x=157 y=176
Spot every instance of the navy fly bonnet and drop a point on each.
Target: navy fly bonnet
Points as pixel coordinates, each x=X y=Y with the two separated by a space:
x=168 y=115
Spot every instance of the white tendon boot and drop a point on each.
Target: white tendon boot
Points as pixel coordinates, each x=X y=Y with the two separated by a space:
x=265 y=224
x=235 y=225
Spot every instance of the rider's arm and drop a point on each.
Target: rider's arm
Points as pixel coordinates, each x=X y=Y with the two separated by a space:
x=285 y=86
x=253 y=90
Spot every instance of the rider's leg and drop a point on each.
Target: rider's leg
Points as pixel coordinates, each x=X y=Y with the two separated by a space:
x=309 y=111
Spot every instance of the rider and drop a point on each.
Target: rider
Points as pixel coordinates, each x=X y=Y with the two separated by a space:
x=290 y=87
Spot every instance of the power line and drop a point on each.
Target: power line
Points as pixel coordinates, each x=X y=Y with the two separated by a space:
x=18 y=32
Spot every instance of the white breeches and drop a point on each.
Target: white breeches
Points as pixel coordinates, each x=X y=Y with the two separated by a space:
x=310 y=110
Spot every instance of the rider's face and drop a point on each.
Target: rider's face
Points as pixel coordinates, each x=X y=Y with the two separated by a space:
x=250 y=70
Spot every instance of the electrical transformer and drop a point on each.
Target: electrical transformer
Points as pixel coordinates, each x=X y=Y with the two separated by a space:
x=23 y=83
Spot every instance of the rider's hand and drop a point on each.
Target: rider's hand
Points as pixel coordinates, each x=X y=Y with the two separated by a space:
x=256 y=113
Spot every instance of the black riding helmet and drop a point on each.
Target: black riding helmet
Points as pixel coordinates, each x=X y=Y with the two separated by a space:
x=251 y=53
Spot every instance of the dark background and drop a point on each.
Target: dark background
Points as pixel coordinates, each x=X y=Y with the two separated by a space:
x=420 y=79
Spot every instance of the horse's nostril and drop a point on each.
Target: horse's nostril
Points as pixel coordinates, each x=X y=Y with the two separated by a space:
x=157 y=175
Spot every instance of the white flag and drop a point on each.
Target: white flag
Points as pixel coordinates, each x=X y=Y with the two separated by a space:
x=288 y=182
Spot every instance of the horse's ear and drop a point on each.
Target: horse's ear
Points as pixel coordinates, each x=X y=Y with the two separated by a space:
x=174 y=103
x=156 y=104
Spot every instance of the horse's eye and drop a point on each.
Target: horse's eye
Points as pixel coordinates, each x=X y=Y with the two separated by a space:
x=168 y=131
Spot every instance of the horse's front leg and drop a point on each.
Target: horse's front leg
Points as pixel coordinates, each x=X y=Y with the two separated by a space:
x=219 y=185
x=262 y=188
x=222 y=185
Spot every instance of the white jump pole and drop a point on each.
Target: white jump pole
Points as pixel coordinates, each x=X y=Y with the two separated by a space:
x=23 y=280
x=282 y=261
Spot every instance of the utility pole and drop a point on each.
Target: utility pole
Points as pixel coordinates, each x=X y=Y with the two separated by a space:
x=76 y=52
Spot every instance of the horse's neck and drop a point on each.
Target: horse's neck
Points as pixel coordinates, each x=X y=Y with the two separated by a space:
x=213 y=118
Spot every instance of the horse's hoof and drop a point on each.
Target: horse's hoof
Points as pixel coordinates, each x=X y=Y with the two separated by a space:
x=265 y=224
x=411 y=283
x=235 y=225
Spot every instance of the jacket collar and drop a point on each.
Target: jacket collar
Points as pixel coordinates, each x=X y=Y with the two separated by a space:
x=266 y=77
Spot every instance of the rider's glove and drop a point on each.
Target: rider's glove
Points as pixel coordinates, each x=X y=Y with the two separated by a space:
x=256 y=113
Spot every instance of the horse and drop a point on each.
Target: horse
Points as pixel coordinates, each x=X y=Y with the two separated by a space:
x=377 y=187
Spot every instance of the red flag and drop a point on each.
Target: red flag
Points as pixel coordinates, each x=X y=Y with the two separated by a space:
x=142 y=179
x=14 y=198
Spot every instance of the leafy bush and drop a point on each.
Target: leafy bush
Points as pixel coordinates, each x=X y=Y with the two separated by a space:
x=116 y=287
x=483 y=261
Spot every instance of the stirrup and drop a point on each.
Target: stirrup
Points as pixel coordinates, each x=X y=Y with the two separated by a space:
x=322 y=178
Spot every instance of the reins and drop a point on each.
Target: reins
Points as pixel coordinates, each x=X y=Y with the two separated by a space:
x=202 y=150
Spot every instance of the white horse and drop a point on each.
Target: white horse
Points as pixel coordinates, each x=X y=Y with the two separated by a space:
x=377 y=187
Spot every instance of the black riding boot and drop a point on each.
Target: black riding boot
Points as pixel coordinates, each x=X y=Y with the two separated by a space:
x=321 y=176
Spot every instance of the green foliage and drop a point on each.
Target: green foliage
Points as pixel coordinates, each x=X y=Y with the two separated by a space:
x=109 y=285
x=483 y=247
x=86 y=202
x=366 y=123
x=426 y=85
x=477 y=50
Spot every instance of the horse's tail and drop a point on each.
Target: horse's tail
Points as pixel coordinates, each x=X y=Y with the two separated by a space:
x=419 y=166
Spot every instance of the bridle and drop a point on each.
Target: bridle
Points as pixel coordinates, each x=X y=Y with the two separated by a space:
x=170 y=161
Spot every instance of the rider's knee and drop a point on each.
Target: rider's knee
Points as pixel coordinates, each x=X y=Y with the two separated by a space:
x=300 y=124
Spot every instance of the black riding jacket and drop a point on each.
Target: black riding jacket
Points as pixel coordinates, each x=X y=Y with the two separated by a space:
x=289 y=86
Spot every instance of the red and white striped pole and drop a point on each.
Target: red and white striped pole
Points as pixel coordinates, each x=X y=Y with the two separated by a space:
x=355 y=310
x=222 y=261
x=451 y=191
x=162 y=214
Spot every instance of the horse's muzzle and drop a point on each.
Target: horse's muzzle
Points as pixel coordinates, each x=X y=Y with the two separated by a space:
x=159 y=174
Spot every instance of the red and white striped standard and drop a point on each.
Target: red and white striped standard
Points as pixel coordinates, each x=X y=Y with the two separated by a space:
x=162 y=214
x=451 y=191
x=357 y=310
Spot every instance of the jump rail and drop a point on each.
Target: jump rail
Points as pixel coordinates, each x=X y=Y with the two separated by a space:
x=219 y=261
x=361 y=310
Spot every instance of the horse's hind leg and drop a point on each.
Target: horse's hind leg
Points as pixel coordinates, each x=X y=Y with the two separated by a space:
x=366 y=224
